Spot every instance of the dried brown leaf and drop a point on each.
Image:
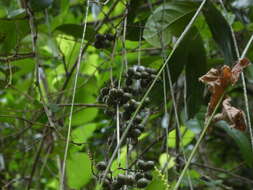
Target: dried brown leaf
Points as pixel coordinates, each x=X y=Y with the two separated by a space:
x=219 y=79
x=237 y=69
x=235 y=117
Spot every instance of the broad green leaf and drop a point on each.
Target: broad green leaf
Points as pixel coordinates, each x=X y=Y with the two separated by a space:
x=221 y=32
x=78 y=170
x=76 y=31
x=195 y=68
x=8 y=40
x=187 y=137
x=241 y=140
x=87 y=95
x=166 y=159
x=81 y=134
x=39 y=5
x=168 y=20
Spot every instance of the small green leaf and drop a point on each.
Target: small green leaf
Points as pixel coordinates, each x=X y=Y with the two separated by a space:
x=78 y=170
x=115 y=163
x=164 y=158
x=187 y=137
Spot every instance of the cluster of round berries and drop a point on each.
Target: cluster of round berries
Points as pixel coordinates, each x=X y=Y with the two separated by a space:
x=144 y=74
x=140 y=179
x=103 y=41
x=126 y=99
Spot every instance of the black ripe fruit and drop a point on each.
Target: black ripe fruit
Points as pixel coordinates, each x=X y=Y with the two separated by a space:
x=101 y=166
x=142 y=183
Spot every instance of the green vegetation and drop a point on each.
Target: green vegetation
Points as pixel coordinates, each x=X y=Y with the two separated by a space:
x=126 y=95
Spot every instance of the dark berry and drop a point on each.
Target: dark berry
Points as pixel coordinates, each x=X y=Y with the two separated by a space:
x=149 y=165
x=122 y=178
x=100 y=37
x=109 y=112
x=142 y=183
x=137 y=119
x=144 y=83
x=135 y=133
x=129 y=81
x=119 y=92
x=99 y=44
x=141 y=164
x=151 y=71
x=138 y=176
x=145 y=75
x=104 y=91
x=137 y=75
x=140 y=127
x=106 y=184
x=130 y=71
x=140 y=69
x=113 y=92
x=126 y=96
x=116 y=185
x=130 y=180
x=126 y=115
x=148 y=176
x=109 y=37
x=101 y=166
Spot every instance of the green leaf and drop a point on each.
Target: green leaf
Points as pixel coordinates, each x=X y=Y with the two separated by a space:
x=195 y=68
x=221 y=32
x=166 y=157
x=78 y=170
x=241 y=140
x=187 y=137
x=76 y=31
x=86 y=95
x=115 y=163
x=157 y=182
x=168 y=20
x=83 y=133
x=9 y=40
x=39 y=5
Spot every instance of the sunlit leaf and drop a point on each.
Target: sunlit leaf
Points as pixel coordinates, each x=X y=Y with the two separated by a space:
x=78 y=170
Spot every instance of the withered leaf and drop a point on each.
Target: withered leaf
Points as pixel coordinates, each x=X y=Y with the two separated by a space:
x=237 y=69
x=219 y=79
x=235 y=117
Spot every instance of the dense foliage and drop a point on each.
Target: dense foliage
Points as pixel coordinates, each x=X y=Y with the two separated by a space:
x=126 y=94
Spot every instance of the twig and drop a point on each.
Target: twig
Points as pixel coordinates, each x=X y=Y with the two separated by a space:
x=197 y=145
x=73 y=99
x=83 y=105
x=16 y=57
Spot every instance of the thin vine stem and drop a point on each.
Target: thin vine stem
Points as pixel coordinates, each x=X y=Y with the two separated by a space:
x=186 y=30
x=197 y=145
x=73 y=99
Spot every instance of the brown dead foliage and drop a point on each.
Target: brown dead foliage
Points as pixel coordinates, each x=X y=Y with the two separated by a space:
x=218 y=80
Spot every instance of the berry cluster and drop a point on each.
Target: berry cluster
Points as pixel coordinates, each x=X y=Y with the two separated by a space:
x=140 y=179
x=143 y=74
x=126 y=98
x=103 y=41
